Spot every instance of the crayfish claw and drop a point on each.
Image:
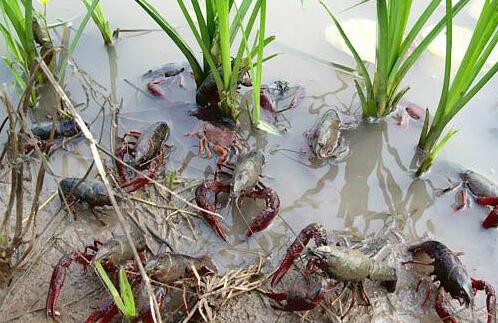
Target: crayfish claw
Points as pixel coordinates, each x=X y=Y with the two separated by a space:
x=312 y=231
x=491 y=220
x=264 y=218
x=490 y=200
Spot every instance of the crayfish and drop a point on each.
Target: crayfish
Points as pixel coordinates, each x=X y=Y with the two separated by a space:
x=222 y=139
x=166 y=267
x=341 y=264
x=453 y=279
x=325 y=139
x=87 y=191
x=164 y=75
x=61 y=129
x=244 y=182
x=483 y=190
x=147 y=151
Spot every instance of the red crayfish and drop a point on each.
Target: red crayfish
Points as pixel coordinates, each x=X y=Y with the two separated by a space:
x=338 y=263
x=146 y=150
x=166 y=267
x=453 y=279
x=244 y=182
x=222 y=139
x=483 y=190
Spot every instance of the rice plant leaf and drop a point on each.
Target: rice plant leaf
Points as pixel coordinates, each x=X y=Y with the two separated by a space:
x=205 y=51
x=240 y=13
x=16 y=18
x=265 y=126
x=28 y=30
x=356 y=5
x=404 y=65
x=110 y=287
x=259 y=66
x=126 y=294
x=101 y=22
x=76 y=39
x=363 y=99
x=362 y=68
x=447 y=64
x=243 y=46
x=175 y=37
x=382 y=55
x=223 y=11
x=201 y=23
x=473 y=91
x=396 y=98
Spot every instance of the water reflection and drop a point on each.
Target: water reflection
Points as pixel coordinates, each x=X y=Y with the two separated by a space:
x=374 y=177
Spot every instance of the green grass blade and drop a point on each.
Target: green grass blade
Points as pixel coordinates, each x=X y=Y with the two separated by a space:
x=175 y=37
x=205 y=51
x=225 y=45
x=100 y=20
x=126 y=294
x=473 y=91
x=406 y=64
x=239 y=15
x=110 y=287
x=76 y=39
x=259 y=66
x=382 y=57
x=28 y=29
x=362 y=68
x=201 y=23
x=243 y=46
x=447 y=63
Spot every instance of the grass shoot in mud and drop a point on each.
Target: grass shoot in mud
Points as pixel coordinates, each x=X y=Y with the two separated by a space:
x=123 y=299
x=216 y=31
x=467 y=82
x=379 y=97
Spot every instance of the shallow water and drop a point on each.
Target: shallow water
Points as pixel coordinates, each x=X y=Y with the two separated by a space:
x=371 y=189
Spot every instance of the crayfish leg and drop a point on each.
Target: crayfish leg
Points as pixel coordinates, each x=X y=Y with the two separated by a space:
x=462 y=201
x=490 y=296
x=442 y=308
x=353 y=302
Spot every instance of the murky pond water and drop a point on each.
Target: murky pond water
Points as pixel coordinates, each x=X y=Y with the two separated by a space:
x=373 y=187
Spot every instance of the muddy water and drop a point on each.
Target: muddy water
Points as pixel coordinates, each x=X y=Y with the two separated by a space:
x=372 y=188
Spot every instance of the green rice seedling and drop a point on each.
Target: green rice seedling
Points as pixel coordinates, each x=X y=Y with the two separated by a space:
x=101 y=21
x=380 y=94
x=123 y=299
x=470 y=78
x=16 y=27
x=26 y=37
x=222 y=32
x=75 y=40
